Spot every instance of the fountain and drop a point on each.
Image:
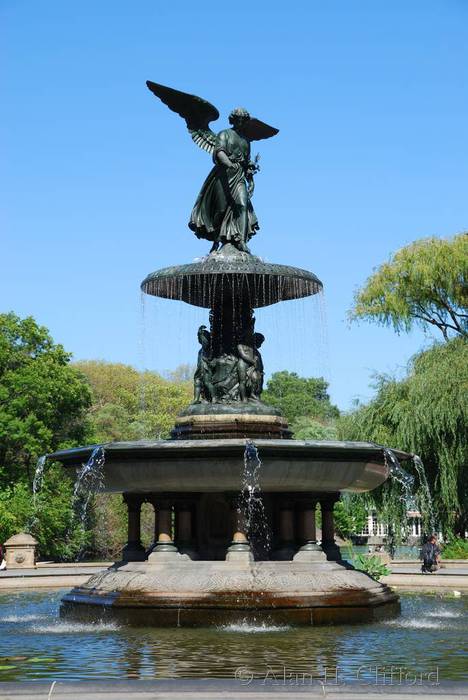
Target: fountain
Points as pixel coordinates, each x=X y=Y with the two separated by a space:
x=234 y=495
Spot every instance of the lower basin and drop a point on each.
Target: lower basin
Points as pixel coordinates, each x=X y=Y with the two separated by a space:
x=216 y=465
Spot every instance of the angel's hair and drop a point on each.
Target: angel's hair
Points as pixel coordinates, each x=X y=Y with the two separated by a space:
x=238 y=112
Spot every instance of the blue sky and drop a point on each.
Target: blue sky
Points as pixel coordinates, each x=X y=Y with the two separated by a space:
x=99 y=177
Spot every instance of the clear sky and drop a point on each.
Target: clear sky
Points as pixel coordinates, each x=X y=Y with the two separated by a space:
x=98 y=177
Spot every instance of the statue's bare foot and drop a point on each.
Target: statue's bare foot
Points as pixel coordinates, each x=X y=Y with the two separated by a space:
x=214 y=247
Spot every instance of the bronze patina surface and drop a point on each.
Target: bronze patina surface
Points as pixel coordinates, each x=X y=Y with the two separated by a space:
x=223 y=212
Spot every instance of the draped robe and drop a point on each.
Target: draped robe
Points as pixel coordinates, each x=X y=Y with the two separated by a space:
x=223 y=211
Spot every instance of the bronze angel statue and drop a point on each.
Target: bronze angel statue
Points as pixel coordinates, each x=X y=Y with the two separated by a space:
x=223 y=212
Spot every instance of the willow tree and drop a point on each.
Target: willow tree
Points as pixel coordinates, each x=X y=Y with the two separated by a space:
x=423 y=284
x=426 y=413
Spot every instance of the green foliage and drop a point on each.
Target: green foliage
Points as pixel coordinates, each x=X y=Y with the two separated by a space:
x=456 y=548
x=50 y=519
x=43 y=404
x=425 y=413
x=42 y=398
x=306 y=428
x=423 y=284
x=131 y=405
x=371 y=565
x=298 y=397
x=350 y=515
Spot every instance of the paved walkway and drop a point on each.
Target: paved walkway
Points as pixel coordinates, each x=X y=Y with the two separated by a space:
x=219 y=689
x=50 y=575
x=408 y=576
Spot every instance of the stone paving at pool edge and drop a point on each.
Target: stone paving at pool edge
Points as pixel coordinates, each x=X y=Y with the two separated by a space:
x=404 y=576
x=216 y=689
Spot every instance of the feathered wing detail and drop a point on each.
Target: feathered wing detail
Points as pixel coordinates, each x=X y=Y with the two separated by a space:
x=198 y=113
x=205 y=138
x=255 y=130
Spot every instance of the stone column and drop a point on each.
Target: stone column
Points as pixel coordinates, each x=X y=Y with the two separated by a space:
x=286 y=531
x=165 y=550
x=329 y=545
x=133 y=550
x=156 y=527
x=184 y=528
x=239 y=551
x=305 y=515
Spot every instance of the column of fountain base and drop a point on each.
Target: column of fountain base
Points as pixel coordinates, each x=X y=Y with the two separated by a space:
x=309 y=551
x=165 y=550
x=184 y=535
x=329 y=545
x=286 y=547
x=133 y=550
x=239 y=550
x=156 y=528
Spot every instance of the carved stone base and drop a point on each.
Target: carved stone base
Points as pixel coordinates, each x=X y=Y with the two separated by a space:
x=230 y=425
x=197 y=593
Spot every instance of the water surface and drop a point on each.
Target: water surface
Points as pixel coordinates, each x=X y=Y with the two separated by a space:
x=35 y=644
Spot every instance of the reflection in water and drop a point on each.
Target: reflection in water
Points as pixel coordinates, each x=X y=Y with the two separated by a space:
x=36 y=644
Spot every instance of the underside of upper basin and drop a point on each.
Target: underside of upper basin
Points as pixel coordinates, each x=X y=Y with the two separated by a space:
x=216 y=465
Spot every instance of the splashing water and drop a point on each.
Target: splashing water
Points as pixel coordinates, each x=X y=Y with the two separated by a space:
x=422 y=499
x=89 y=480
x=252 y=504
x=252 y=627
x=398 y=523
x=401 y=476
x=424 y=496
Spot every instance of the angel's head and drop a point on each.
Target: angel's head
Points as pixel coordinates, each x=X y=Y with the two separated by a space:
x=238 y=117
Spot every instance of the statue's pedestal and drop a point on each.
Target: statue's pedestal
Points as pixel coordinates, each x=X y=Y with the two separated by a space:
x=251 y=420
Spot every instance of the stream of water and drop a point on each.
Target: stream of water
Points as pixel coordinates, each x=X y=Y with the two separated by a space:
x=251 y=502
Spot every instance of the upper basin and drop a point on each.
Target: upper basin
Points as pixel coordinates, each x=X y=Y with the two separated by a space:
x=216 y=465
x=240 y=275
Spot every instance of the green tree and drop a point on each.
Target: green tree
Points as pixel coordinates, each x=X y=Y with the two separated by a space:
x=425 y=413
x=299 y=397
x=131 y=405
x=43 y=404
x=306 y=428
x=350 y=515
x=423 y=284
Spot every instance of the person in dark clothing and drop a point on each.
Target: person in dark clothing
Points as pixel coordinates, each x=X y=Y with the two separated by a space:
x=430 y=554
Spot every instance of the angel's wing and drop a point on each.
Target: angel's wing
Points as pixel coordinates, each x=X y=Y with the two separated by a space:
x=198 y=113
x=255 y=130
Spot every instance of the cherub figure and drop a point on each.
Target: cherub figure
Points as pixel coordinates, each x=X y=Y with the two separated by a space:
x=202 y=380
x=223 y=212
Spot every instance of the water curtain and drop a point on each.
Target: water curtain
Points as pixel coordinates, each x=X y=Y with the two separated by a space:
x=252 y=504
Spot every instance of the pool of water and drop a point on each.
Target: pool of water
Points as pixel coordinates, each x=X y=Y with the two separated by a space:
x=35 y=644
